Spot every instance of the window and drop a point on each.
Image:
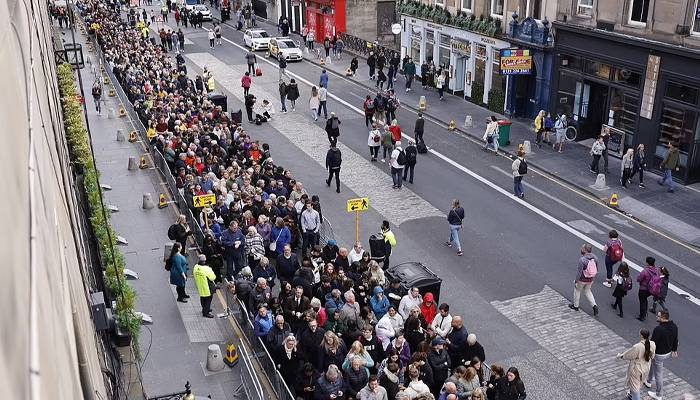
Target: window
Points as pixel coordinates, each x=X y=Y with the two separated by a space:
x=638 y=12
x=624 y=108
x=696 y=21
x=440 y=3
x=497 y=8
x=682 y=93
x=571 y=62
x=677 y=126
x=598 y=69
x=534 y=8
x=498 y=81
x=467 y=5
x=585 y=8
x=626 y=77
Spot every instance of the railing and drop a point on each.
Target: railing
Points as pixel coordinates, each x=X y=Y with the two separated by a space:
x=362 y=47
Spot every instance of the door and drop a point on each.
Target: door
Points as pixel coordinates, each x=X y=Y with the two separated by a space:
x=594 y=109
x=460 y=70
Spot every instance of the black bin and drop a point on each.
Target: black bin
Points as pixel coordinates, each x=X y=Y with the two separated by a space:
x=415 y=274
x=377 y=249
x=219 y=100
x=237 y=117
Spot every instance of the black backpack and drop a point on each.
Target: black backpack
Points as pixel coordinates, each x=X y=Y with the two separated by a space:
x=168 y=263
x=522 y=168
x=171 y=232
x=401 y=159
x=421 y=147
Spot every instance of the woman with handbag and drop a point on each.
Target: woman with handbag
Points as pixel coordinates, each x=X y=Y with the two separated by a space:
x=454 y=219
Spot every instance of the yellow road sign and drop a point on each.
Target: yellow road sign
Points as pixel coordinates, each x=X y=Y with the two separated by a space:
x=204 y=200
x=360 y=204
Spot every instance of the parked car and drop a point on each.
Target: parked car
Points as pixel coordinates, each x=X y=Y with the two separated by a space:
x=206 y=14
x=256 y=39
x=285 y=47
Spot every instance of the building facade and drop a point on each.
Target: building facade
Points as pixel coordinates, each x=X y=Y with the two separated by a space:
x=635 y=71
x=366 y=19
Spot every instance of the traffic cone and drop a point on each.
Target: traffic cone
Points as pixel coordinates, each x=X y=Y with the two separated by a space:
x=106 y=80
x=231 y=357
x=143 y=164
x=422 y=103
x=132 y=136
x=112 y=93
x=323 y=61
x=452 y=126
x=122 y=111
x=613 y=200
x=162 y=202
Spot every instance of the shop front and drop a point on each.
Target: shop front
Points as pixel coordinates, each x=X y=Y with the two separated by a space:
x=325 y=17
x=648 y=91
x=473 y=60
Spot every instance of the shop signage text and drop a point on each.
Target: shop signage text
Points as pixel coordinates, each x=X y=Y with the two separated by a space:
x=433 y=26
x=487 y=40
x=461 y=47
x=516 y=62
x=649 y=93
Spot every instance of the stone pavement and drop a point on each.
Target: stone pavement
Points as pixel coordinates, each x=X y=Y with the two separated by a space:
x=580 y=342
x=671 y=212
x=175 y=346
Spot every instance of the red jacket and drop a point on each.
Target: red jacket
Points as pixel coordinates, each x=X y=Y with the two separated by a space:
x=428 y=308
x=395 y=132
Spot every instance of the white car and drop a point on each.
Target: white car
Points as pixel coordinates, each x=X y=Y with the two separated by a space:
x=287 y=48
x=256 y=39
x=206 y=14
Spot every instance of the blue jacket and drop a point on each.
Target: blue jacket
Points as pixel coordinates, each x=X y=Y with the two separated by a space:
x=323 y=80
x=178 y=268
x=268 y=273
x=283 y=237
x=380 y=307
x=228 y=239
x=262 y=325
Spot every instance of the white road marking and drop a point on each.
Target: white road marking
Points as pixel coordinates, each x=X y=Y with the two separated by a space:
x=490 y=184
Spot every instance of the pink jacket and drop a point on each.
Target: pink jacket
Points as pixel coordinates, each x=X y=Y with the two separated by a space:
x=246 y=81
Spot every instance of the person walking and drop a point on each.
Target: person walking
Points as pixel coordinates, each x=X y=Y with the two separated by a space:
x=659 y=290
x=373 y=141
x=440 y=85
x=626 y=167
x=411 y=160
x=217 y=33
x=322 y=101
x=371 y=63
x=645 y=280
x=639 y=357
x=614 y=253
x=314 y=103
x=246 y=82
x=548 y=128
x=293 y=93
x=389 y=242
x=211 y=37
x=539 y=127
x=381 y=78
x=490 y=134
x=97 y=96
x=455 y=218
x=665 y=336
x=397 y=163
x=333 y=160
x=333 y=129
x=251 y=59
x=587 y=270
x=178 y=272
x=419 y=128
x=390 y=74
x=560 y=132
x=387 y=143
x=596 y=152
x=409 y=71
x=639 y=165
x=623 y=284
x=668 y=165
x=282 y=63
x=323 y=79
x=283 y=95
x=519 y=169
x=368 y=108
x=204 y=278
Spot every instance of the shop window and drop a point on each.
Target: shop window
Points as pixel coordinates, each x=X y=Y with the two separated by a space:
x=497 y=7
x=534 y=7
x=639 y=10
x=624 y=108
x=585 y=8
x=571 y=62
x=696 y=22
x=498 y=81
x=444 y=57
x=415 y=50
x=467 y=5
x=567 y=95
x=626 y=77
x=430 y=36
x=682 y=93
x=445 y=40
x=480 y=66
x=677 y=126
x=598 y=69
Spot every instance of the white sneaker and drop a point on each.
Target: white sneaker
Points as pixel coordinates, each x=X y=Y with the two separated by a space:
x=607 y=284
x=647 y=384
x=653 y=395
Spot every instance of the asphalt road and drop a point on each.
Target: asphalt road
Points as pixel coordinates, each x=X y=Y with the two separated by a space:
x=512 y=248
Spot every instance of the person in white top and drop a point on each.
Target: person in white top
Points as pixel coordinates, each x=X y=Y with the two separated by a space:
x=356 y=253
x=374 y=141
x=442 y=323
x=409 y=301
x=398 y=159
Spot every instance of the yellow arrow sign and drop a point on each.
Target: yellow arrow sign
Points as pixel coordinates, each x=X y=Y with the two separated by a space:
x=361 y=204
x=204 y=200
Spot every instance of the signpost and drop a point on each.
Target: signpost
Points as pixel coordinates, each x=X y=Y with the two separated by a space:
x=357 y=205
x=205 y=200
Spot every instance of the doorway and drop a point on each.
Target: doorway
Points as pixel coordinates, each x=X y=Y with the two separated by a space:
x=594 y=107
x=460 y=70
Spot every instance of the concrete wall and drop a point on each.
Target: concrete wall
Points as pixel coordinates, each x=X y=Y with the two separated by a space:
x=361 y=19
x=46 y=327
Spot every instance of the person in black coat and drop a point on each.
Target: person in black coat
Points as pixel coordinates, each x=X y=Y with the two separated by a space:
x=249 y=103
x=287 y=360
x=373 y=346
x=305 y=384
x=310 y=339
x=333 y=160
x=411 y=158
x=439 y=362
x=511 y=387
x=333 y=128
x=419 y=127
x=389 y=380
x=371 y=63
x=287 y=264
x=473 y=349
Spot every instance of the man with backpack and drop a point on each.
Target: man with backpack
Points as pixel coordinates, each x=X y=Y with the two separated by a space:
x=613 y=254
x=587 y=270
x=397 y=163
x=411 y=159
x=647 y=279
x=519 y=168
x=97 y=96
